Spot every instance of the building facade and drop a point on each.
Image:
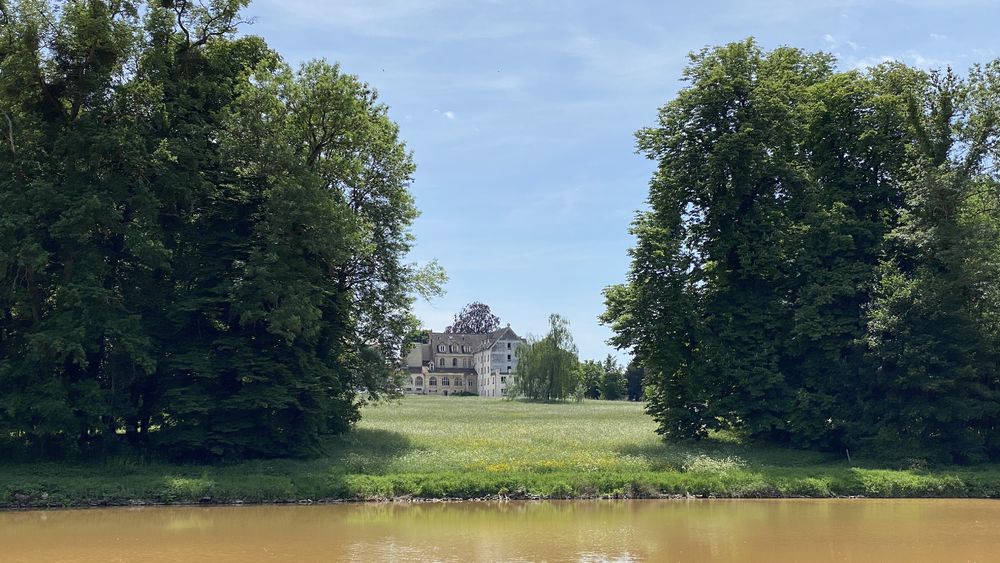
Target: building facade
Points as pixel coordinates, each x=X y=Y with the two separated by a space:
x=448 y=363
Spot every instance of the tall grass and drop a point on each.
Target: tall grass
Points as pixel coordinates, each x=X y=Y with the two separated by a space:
x=470 y=447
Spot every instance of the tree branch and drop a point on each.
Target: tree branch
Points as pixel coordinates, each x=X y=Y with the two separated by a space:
x=10 y=132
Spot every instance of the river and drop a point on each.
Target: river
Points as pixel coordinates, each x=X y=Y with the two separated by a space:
x=649 y=530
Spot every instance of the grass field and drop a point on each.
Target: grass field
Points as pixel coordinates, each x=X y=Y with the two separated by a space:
x=469 y=447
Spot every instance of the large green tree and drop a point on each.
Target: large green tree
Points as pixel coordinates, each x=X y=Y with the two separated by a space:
x=752 y=268
x=819 y=262
x=194 y=237
x=935 y=341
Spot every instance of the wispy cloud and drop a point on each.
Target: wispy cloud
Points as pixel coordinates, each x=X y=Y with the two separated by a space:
x=911 y=57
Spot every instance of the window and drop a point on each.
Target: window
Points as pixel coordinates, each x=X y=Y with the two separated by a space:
x=508 y=347
x=433 y=381
x=503 y=391
x=508 y=357
x=503 y=379
x=440 y=347
x=451 y=349
x=454 y=362
x=465 y=349
x=444 y=381
x=442 y=362
x=419 y=381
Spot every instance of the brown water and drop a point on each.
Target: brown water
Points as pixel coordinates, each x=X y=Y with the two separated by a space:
x=716 y=530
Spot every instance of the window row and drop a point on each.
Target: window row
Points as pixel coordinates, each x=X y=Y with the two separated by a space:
x=433 y=381
x=454 y=349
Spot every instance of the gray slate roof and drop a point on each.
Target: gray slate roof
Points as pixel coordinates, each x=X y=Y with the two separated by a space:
x=473 y=341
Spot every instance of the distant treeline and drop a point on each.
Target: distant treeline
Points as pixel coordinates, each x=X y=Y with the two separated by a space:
x=200 y=247
x=820 y=261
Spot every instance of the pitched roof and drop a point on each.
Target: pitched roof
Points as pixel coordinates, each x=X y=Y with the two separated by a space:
x=505 y=333
x=473 y=341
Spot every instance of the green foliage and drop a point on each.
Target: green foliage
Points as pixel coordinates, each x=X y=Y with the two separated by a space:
x=612 y=380
x=547 y=369
x=816 y=266
x=201 y=249
x=933 y=335
x=635 y=377
x=591 y=374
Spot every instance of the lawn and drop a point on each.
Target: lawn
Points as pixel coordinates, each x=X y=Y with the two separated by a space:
x=470 y=447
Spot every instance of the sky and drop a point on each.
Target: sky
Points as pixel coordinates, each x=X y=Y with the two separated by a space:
x=521 y=117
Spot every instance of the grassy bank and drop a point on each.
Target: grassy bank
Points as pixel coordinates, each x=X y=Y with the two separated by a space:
x=457 y=447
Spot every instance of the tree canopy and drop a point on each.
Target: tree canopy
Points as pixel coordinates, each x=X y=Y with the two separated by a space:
x=201 y=248
x=474 y=318
x=818 y=264
x=547 y=369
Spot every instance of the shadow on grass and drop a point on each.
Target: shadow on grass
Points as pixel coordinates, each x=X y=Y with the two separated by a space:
x=365 y=450
x=676 y=455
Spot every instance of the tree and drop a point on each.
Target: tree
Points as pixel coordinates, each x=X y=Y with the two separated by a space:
x=548 y=369
x=753 y=265
x=591 y=375
x=201 y=249
x=634 y=376
x=474 y=318
x=612 y=380
x=932 y=327
x=818 y=264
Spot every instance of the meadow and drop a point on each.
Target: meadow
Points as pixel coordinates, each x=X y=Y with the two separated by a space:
x=471 y=447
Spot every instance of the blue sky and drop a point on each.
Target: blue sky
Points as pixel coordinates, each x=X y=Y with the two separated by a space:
x=521 y=114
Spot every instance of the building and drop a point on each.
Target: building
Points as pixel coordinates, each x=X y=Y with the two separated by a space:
x=473 y=363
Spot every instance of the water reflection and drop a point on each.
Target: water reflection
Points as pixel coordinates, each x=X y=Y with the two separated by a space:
x=745 y=530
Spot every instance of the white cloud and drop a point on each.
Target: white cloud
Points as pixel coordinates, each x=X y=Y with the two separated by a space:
x=938 y=36
x=449 y=114
x=869 y=61
x=829 y=39
x=917 y=59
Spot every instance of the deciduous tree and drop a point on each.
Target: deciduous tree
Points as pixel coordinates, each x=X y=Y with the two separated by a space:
x=474 y=318
x=548 y=369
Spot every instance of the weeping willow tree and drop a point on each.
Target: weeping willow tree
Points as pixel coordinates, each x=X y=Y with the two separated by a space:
x=548 y=369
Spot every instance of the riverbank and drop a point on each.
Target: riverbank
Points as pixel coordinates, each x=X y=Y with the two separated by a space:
x=474 y=448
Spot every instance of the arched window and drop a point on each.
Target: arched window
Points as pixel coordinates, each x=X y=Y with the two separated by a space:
x=444 y=381
x=454 y=362
x=433 y=381
x=419 y=381
x=442 y=362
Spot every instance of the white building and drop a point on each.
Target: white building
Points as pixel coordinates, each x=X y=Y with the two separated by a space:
x=496 y=361
x=450 y=363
